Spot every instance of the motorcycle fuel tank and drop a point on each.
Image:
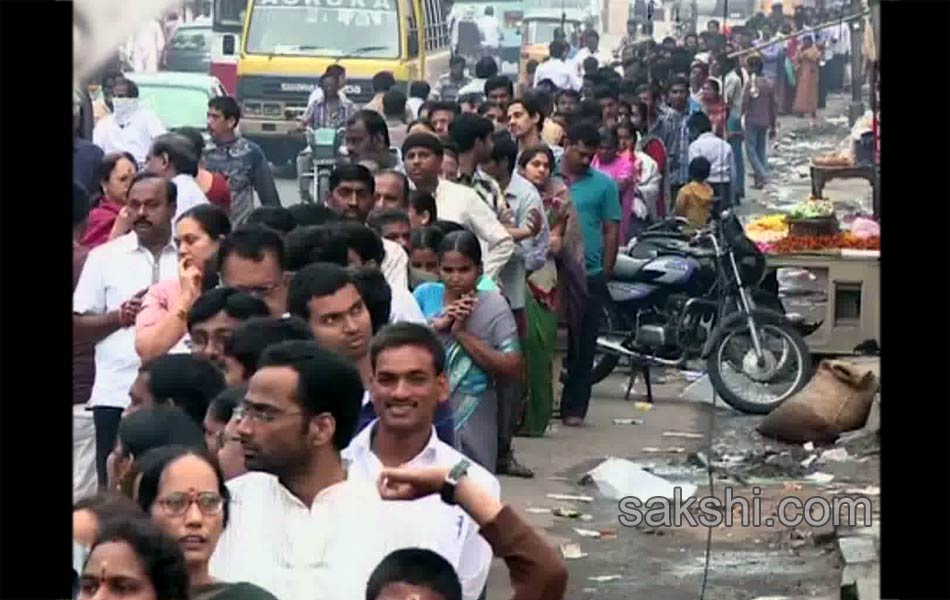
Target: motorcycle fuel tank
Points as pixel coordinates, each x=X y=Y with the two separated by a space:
x=662 y=270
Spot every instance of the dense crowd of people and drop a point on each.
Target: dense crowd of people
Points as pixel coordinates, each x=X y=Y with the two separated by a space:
x=316 y=400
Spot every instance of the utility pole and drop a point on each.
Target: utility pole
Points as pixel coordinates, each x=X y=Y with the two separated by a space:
x=856 y=109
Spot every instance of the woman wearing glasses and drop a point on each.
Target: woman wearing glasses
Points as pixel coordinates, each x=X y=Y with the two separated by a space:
x=184 y=493
x=162 y=324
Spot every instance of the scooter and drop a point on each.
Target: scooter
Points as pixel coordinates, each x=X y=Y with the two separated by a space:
x=316 y=163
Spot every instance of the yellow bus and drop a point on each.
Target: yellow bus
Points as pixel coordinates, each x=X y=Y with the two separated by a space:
x=286 y=45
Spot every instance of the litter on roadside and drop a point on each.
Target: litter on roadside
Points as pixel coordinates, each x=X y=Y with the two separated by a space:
x=537 y=510
x=672 y=450
x=808 y=446
x=617 y=478
x=644 y=406
x=604 y=578
x=570 y=498
x=572 y=551
x=871 y=490
x=819 y=477
x=557 y=478
x=834 y=455
x=628 y=421
x=587 y=518
x=807 y=462
x=608 y=534
x=588 y=533
x=791 y=486
x=566 y=512
x=683 y=434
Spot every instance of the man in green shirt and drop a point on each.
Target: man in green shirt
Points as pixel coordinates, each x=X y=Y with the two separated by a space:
x=598 y=208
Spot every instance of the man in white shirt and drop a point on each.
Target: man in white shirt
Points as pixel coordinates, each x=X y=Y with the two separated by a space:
x=591 y=48
x=563 y=74
x=109 y=295
x=172 y=158
x=130 y=128
x=422 y=156
x=408 y=384
x=298 y=526
x=717 y=151
x=352 y=196
x=490 y=30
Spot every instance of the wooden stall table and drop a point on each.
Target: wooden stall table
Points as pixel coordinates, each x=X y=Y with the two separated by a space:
x=820 y=175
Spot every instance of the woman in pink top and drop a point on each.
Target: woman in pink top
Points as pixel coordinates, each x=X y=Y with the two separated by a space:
x=162 y=324
x=109 y=218
x=621 y=166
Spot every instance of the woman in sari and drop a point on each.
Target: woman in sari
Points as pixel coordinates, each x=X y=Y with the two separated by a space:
x=109 y=218
x=479 y=333
x=559 y=286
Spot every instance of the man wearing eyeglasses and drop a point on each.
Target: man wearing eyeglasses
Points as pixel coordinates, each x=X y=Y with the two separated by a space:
x=251 y=260
x=299 y=527
x=213 y=317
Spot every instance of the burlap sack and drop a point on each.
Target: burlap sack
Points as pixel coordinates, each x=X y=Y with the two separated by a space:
x=837 y=399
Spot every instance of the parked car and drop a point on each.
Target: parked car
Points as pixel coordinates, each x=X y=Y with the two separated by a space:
x=190 y=49
x=179 y=99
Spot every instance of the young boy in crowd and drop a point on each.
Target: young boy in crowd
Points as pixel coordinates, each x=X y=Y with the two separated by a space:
x=694 y=200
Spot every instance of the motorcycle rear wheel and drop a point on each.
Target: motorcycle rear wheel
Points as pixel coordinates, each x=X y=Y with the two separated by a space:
x=732 y=357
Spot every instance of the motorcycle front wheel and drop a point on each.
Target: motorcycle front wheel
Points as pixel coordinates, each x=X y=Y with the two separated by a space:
x=747 y=383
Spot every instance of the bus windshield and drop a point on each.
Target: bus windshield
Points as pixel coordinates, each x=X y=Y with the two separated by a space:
x=542 y=32
x=348 y=28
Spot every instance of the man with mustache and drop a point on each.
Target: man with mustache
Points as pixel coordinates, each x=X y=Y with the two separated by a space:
x=352 y=196
x=109 y=294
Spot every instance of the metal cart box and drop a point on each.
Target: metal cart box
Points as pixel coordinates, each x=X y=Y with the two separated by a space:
x=852 y=312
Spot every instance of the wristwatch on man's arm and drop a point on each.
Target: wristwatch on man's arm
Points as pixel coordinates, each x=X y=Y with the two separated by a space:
x=452 y=480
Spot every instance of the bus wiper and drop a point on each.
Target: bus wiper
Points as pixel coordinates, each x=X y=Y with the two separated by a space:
x=358 y=52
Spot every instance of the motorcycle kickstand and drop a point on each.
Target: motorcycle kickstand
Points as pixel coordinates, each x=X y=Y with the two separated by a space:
x=646 y=380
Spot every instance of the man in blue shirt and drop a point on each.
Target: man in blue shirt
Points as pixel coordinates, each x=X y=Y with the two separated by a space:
x=598 y=208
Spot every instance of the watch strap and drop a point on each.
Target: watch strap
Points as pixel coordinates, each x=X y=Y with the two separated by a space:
x=452 y=479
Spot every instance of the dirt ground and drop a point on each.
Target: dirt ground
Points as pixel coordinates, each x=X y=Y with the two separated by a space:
x=668 y=563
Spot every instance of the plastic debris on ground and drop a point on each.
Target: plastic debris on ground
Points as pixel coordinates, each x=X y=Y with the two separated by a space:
x=819 y=477
x=537 y=510
x=588 y=533
x=605 y=578
x=834 y=455
x=566 y=512
x=628 y=421
x=572 y=551
x=644 y=406
x=672 y=450
x=570 y=498
x=871 y=490
x=684 y=434
x=617 y=478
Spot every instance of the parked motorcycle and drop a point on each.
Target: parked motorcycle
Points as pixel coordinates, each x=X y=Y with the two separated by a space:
x=315 y=164
x=680 y=296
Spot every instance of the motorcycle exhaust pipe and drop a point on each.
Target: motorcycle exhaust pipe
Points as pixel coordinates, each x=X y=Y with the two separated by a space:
x=613 y=347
